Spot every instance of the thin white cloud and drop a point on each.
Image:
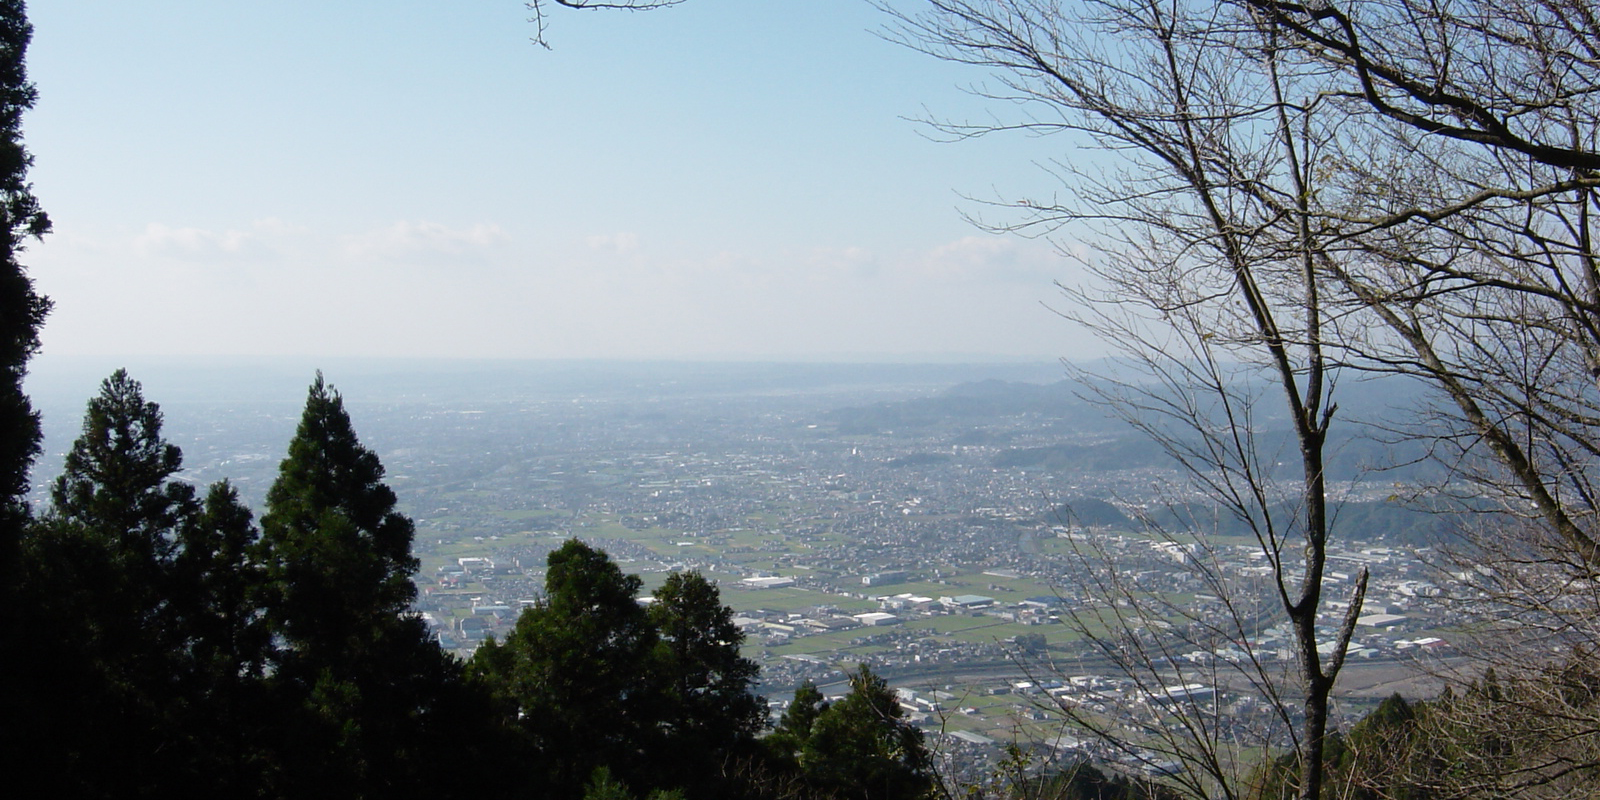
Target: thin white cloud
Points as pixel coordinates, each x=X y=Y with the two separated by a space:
x=619 y=243
x=990 y=258
x=849 y=262
x=426 y=243
x=199 y=244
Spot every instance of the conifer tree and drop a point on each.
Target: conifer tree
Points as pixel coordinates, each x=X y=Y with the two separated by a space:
x=861 y=748
x=218 y=575
x=710 y=712
x=22 y=313
x=794 y=727
x=22 y=310
x=337 y=553
x=802 y=713
x=576 y=670
x=365 y=696
x=115 y=517
x=226 y=640
x=117 y=482
x=100 y=575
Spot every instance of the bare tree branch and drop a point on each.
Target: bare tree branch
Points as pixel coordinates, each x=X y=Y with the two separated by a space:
x=537 y=9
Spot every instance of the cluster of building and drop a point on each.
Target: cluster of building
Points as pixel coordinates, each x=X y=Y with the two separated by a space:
x=836 y=550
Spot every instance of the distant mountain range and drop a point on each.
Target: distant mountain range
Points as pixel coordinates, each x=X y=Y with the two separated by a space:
x=1096 y=440
x=1099 y=439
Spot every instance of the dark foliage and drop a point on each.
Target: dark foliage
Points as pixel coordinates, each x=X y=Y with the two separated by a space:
x=22 y=313
x=660 y=698
x=1086 y=782
x=859 y=747
x=115 y=680
x=22 y=310
x=709 y=713
x=573 y=672
x=367 y=702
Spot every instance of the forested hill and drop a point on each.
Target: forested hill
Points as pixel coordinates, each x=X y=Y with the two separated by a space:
x=1389 y=521
x=969 y=405
x=1070 y=429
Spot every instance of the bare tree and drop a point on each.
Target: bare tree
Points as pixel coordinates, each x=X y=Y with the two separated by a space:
x=1516 y=76
x=1385 y=185
x=1470 y=235
x=1209 y=277
x=1470 y=241
x=1471 y=244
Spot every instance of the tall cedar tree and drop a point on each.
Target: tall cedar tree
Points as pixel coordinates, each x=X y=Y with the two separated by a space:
x=115 y=519
x=22 y=310
x=368 y=700
x=22 y=313
x=337 y=554
x=100 y=576
x=218 y=571
x=117 y=482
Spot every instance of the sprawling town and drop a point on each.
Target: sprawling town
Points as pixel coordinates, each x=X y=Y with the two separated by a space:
x=961 y=538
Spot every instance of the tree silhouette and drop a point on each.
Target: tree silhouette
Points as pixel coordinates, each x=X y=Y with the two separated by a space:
x=100 y=574
x=575 y=668
x=364 y=693
x=710 y=713
x=860 y=747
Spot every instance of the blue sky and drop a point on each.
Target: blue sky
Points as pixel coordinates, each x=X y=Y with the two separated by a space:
x=727 y=179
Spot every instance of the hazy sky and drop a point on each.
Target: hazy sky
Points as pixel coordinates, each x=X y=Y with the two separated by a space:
x=724 y=179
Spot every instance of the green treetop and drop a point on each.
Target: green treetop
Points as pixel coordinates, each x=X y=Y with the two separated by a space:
x=860 y=747
x=709 y=681
x=117 y=479
x=100 y=576
x=366 y=699
x=577 y=672
x=337 y=554
x=709 y=712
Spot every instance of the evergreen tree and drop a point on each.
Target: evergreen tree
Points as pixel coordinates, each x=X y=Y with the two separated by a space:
x=366 y=698
x=709 y=681
x=117 y=482
x=336 y=552
x=1083 y=781
x=661 y=698
x=603 y=786
x=22 y=310
x=217 y=569
x=100 y=575
x=22 y=313
x=782 y=747
x=576 y=670
x=226 y=639
x=709 y=711
x=802 y=713
x=860 y=747
x=115 y=518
